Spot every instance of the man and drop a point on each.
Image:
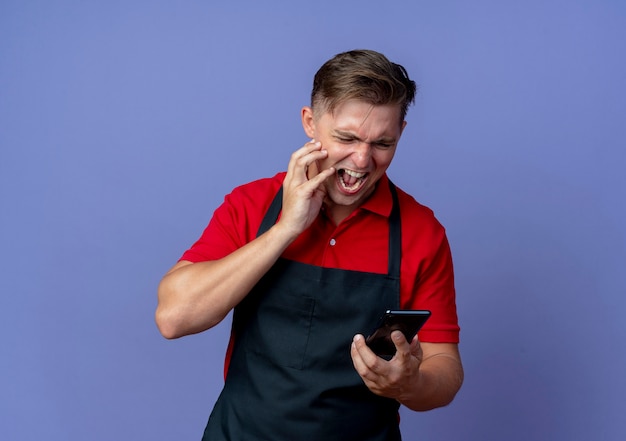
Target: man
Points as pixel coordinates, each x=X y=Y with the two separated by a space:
x=308 y=260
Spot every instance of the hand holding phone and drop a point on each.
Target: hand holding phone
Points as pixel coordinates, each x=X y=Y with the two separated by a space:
x=406 y=321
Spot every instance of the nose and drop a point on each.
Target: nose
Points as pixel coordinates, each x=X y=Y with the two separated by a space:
x=362 y=154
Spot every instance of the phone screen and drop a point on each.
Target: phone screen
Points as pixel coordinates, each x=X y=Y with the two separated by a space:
x=406 y=321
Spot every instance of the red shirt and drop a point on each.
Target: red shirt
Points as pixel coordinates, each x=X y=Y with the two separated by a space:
x=358 y=243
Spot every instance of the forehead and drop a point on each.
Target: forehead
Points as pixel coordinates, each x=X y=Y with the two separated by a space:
x=361 y=117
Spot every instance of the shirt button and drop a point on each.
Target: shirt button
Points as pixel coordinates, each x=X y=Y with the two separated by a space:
x=332 y=242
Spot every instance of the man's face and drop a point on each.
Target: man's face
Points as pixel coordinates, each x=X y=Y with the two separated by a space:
x=361 y=141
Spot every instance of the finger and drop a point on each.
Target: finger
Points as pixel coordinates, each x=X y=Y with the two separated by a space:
x=320 y=177
x=403 y=348
x=302 y=158
x=357 y=360
x=416 y=348
x=372 y=371
x=369 y=358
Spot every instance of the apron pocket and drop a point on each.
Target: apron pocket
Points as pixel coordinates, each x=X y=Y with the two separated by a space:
x=280 y=329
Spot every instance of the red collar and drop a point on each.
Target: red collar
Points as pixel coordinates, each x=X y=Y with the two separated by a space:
x=380 y=202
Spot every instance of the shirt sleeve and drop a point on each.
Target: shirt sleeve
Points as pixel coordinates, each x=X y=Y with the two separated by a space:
x=437 y=291
x=427 y=280
x=235 y=222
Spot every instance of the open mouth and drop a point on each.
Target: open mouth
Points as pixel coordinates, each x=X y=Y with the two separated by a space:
x=350 y=180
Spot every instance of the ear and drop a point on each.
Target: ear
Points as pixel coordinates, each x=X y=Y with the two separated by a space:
x=308 y=121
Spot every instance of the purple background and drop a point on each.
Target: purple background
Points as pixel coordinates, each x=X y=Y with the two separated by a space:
x=124 y=123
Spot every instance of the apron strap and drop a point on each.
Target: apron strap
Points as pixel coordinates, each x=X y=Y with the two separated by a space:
x=395 y=235
x=271 y=215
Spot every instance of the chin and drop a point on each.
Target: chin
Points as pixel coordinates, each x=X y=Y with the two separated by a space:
x=339 y=198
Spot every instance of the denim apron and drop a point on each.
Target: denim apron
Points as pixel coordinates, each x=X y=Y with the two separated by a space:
x=291 y=376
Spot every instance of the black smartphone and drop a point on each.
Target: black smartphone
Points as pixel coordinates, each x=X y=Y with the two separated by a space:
x=407 y=321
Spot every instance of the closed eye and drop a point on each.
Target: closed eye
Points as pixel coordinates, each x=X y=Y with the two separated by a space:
x=383 y=145
x=345 y=139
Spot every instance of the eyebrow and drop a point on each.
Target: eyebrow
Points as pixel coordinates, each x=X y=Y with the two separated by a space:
x=350 y=135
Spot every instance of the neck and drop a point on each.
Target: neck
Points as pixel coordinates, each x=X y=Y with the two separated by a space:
x=338 y=213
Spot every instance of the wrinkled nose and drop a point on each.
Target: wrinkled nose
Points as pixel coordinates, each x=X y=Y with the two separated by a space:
x=362 y=154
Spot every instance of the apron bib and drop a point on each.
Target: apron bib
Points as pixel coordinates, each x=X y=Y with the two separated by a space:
x=291 y=376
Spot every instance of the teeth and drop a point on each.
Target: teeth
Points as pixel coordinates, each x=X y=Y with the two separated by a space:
x=351 y=180
x=354 y=174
